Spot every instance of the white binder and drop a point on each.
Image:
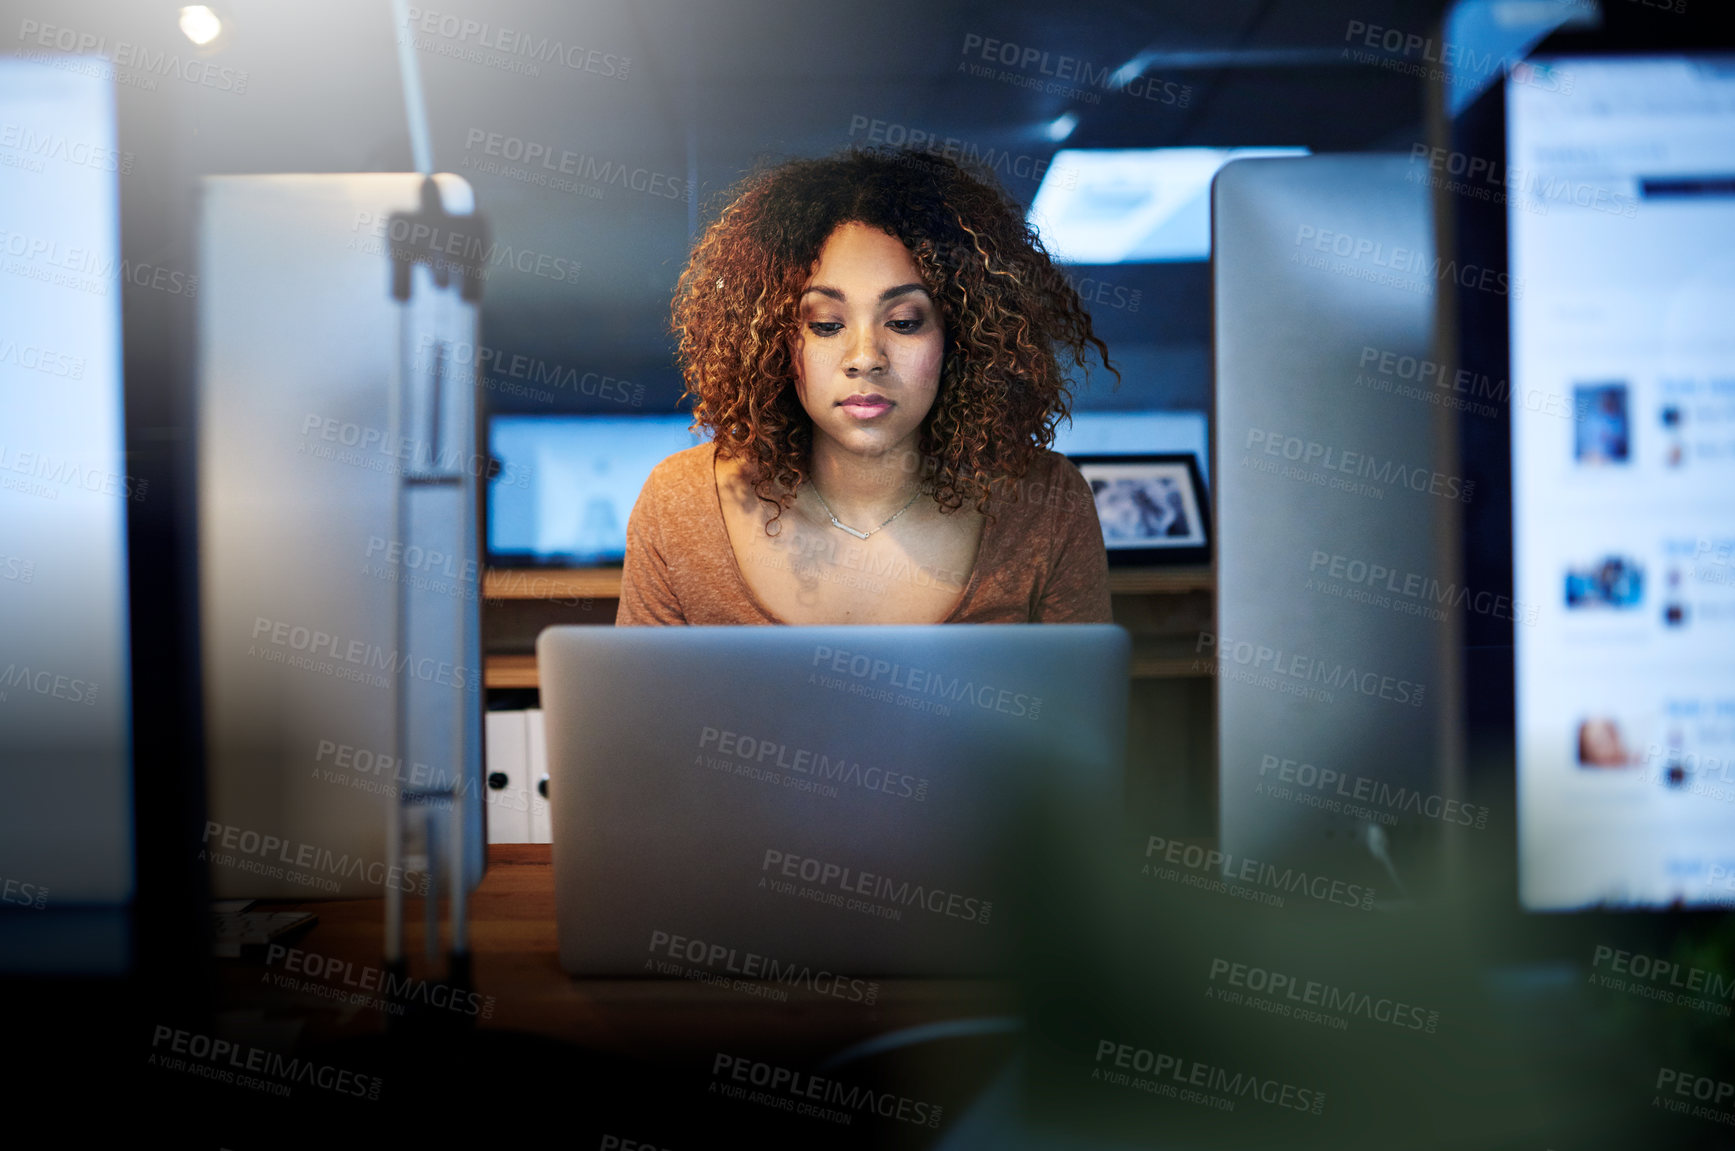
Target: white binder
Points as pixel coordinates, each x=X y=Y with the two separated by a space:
x=541 y=828
x=506 y=771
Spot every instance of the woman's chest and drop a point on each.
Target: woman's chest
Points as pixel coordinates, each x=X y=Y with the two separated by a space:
x=808 y=574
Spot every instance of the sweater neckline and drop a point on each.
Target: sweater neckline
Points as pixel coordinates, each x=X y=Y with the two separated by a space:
x=721 y=528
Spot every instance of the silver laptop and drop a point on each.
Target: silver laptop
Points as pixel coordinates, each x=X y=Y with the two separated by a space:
x=815 y=803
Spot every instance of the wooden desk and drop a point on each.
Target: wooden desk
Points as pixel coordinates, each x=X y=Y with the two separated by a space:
x=517 y=972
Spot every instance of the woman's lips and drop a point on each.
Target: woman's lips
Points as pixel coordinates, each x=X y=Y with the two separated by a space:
x=865 y=407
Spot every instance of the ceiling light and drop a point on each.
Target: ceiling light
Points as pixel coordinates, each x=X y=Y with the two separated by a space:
x=1132 y=205
x=200 y=24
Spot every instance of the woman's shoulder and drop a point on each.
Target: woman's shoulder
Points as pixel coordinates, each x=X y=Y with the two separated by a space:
x=677 y=492
x=683 y=471
x=1054 y=468
x=1052 y=479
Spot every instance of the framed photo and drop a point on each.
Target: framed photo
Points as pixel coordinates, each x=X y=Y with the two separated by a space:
x=1152 y=508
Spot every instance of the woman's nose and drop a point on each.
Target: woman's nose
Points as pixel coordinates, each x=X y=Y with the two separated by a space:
x=866 y=352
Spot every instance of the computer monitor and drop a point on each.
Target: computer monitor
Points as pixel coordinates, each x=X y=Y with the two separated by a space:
x=66 y=822
x=340 y=605
x=567 y=484
x=1335 y=508
x=1620 y=212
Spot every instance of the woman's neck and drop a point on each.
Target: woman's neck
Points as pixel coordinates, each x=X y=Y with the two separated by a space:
x=866 y=487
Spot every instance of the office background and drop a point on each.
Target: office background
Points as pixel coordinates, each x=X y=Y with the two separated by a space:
x=595 y=165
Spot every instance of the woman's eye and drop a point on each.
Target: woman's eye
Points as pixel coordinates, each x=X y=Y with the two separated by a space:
x=824 y=327
x=906 y=326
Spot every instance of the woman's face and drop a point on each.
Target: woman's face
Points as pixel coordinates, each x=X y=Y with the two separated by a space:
x=868 y=356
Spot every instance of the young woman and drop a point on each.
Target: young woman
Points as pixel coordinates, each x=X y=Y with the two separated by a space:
x=872 y=341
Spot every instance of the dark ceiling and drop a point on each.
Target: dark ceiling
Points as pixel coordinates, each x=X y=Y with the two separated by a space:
x=708 y=88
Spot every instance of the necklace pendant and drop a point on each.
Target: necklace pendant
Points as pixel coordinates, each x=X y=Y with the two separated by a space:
x=840 y=525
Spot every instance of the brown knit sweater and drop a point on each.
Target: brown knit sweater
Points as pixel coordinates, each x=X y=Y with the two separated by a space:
x=1041 y=558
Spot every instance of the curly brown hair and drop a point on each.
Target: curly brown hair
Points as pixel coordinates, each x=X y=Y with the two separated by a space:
x=1007 y=310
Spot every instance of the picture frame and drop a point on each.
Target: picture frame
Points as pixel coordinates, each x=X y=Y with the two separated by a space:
x=1153 y=508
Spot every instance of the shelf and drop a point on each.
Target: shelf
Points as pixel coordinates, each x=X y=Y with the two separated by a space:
x=551 y=583
x=1152 y=581
x=509 y=671
x=605 y=583
x=1158 y=667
